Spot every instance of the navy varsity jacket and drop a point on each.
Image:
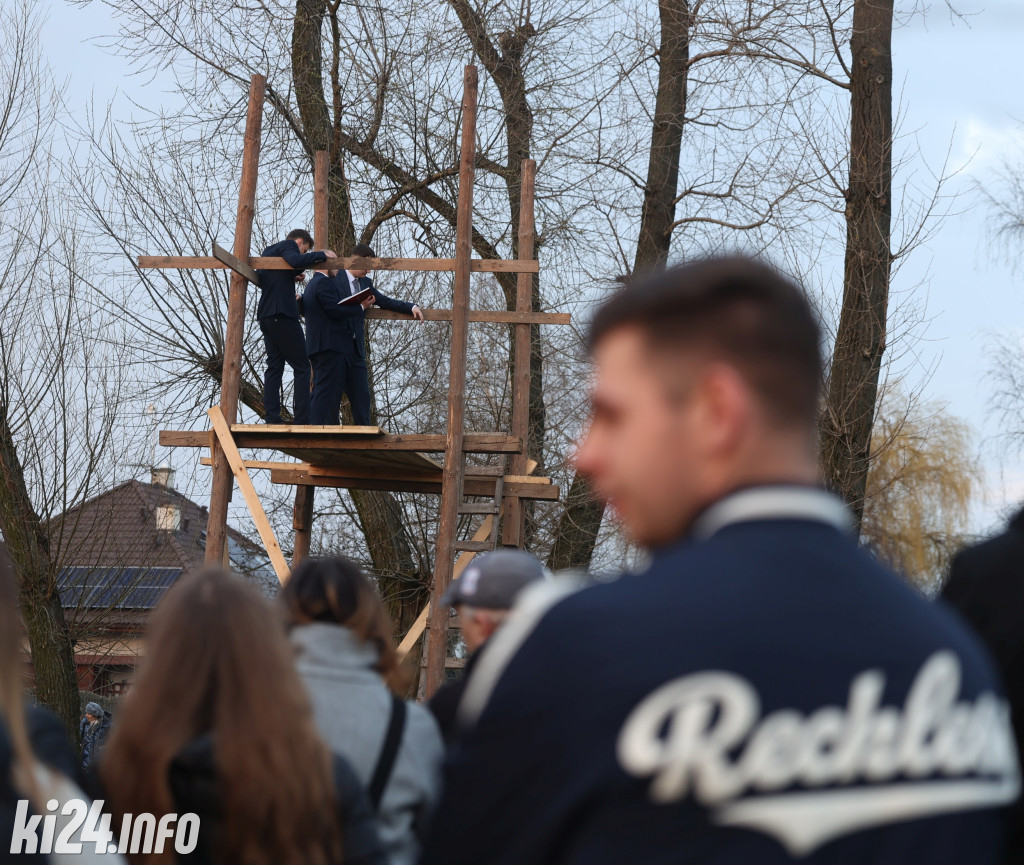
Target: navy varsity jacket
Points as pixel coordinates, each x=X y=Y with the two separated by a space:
x=764 y=693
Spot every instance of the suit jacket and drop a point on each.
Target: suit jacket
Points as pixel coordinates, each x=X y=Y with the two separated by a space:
x=986 y=583
x=330 y=327
x=277 y=287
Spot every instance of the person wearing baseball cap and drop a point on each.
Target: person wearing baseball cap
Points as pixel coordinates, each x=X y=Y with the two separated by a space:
x=482 y=597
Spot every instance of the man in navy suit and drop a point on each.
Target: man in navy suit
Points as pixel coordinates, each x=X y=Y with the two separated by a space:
x=278 y=315
x=335 y=343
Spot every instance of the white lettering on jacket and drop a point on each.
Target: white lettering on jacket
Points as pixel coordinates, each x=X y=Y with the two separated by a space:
x=703 y=735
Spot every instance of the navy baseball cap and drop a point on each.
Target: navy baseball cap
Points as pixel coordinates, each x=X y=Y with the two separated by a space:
x=492 y=581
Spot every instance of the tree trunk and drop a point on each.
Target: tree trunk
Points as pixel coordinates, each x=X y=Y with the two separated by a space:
x=380 y=515
x=53 y=655
x=860 y=340
x=581 y=520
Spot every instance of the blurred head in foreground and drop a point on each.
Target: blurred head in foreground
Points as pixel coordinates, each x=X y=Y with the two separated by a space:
x=216 y=658
x=706 y=379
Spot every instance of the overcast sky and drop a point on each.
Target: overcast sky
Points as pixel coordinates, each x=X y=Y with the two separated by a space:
x=959 y=88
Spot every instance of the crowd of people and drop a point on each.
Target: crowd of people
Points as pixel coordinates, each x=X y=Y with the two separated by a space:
x=763 y=691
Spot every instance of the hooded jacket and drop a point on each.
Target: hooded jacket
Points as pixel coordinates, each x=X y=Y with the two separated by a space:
x=193 y=780
x=93 y=737
x=351 y=707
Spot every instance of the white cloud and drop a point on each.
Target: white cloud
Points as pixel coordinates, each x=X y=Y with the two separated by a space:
x=988 y=145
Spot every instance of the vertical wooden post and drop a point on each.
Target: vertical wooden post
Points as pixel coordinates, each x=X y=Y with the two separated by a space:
x=223 y=478
x=512 y=514
x=302 y=513
x=454 y=461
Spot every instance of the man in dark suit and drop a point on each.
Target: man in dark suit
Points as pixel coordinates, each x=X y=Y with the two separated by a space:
x=334 y=340
x=986 y=584
x=278 y=315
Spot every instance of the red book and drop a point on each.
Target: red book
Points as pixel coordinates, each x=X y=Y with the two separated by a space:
x=358 y=297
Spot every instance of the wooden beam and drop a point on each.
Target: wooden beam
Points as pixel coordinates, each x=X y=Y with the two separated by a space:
x=413 y=634
x=454 y=460
x=311 y=429
x=256 y=465
x=302 y=510
x=351 y=262
x=531 y=489
x=231 y=372
x=237 y=265
x=252 y=501
x=513 y=515
x=502 y=316
x=473 y=443
x=302 y=521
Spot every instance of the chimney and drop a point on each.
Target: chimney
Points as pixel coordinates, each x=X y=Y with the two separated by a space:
x=162 y=476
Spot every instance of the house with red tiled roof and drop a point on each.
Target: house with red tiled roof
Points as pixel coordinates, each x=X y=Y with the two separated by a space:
x=119 y=552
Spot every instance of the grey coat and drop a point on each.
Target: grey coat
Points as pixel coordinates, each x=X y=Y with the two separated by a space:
x=352 y=706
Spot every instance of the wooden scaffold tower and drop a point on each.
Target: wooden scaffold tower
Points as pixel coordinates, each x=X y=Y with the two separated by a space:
x=348 y=457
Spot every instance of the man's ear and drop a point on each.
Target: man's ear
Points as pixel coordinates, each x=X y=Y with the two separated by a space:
x=723 y=399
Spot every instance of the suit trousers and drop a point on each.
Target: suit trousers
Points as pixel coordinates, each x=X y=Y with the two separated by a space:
x=285 y=343
x=336 y=373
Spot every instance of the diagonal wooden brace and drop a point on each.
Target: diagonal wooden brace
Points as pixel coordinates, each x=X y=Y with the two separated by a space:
x=240 y=267
x=259 y=516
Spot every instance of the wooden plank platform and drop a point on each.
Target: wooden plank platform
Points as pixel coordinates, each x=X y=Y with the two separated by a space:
x=287 y=438
x=363 y=457
x=423 y=478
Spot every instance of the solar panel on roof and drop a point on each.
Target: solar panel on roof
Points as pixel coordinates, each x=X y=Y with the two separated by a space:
x=126 y=588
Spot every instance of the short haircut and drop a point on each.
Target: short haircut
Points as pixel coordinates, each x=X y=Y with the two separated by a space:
x=738 y=310
x=301 y=234
x=363 y=250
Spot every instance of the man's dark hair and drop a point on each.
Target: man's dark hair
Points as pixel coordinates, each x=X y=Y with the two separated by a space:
x=301 y=234
x=737 y=309
x=363 y=250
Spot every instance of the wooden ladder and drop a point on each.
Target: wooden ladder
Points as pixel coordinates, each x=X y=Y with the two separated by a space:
x=491 y=508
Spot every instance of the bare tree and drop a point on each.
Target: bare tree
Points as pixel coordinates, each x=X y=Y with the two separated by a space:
x=61 y=385
x=25 y=125
x=735 y=98
x=861 y=336
x=719 y=109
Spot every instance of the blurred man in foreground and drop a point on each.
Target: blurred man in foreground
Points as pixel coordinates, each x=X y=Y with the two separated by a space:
x=986 y=584
x=482 y=598
x=764 y=692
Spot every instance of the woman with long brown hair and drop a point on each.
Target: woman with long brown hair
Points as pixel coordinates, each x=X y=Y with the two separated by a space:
x=218 y=724
x=347 y=658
